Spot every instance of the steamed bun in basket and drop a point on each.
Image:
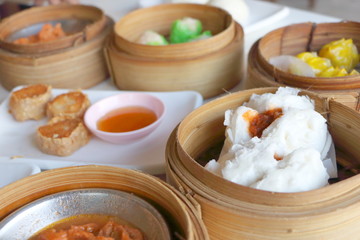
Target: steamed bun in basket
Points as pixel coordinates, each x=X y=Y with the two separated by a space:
x=276 y=142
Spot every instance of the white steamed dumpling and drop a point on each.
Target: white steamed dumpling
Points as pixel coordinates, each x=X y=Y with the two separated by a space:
x=291 y=64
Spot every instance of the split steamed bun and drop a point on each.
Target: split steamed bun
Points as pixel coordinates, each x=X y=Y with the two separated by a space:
x=288 y=155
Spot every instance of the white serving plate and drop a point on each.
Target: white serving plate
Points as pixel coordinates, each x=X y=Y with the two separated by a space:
x=17 y=139
x=13 y=171
x=262 y=14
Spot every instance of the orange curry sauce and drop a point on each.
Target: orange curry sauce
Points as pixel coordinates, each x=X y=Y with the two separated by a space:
x=126 y=119
x=89 y=227
x=258 y=123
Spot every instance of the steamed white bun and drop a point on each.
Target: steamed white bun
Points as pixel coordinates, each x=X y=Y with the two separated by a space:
x=289 y=155
x=306 y=163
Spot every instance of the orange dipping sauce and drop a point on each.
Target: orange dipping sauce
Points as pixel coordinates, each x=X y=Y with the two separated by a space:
x=126 y=119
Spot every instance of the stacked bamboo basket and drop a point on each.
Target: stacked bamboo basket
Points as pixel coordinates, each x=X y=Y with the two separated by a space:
x=232 y=211
x=75 y=61
x=210 y=66
x=297 y=38
x=181 y=216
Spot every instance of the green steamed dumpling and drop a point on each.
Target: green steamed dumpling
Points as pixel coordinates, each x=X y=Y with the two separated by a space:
x=184 y=30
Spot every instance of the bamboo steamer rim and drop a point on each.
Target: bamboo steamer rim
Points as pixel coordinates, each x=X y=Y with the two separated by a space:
x=210 y=182
x=238 y=37
x=150 y=188
x=307 y=36
x=41 y=14
x=126 y=34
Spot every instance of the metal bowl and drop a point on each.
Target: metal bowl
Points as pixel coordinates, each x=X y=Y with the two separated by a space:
x=81 y=23
x=33 y=217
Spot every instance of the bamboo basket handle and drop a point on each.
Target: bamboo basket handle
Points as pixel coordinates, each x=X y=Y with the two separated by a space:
x=194 y=202
x=78 y=40
x=357 y=106
x=186 y=191
x=311 y=37
x=189 y=194
x=326 y=106
x=277 y=76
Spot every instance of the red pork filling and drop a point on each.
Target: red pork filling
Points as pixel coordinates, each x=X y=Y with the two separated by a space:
x=261 y=121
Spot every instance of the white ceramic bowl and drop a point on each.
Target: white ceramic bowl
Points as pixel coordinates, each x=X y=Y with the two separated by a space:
x=104 y=106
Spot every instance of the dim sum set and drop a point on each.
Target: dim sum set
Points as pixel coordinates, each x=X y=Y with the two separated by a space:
x=274 y=142
x=335 y=59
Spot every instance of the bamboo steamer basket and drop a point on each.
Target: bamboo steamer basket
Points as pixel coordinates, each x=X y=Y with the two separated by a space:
x=297 y=38
x=232 y=211
x=80 y=66
x=209 y=66
x=181 y=216
x=93 y=17
x=128 y=30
